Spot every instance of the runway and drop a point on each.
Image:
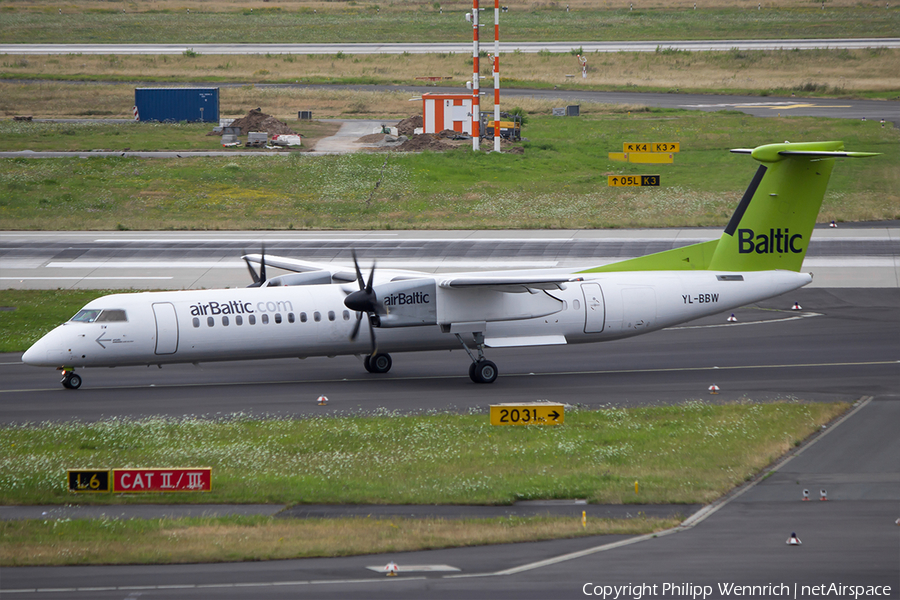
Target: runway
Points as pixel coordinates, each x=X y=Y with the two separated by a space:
x=463 y=48
x=852 y=255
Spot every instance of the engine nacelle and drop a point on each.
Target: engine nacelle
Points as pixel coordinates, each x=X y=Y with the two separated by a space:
x=408 y=303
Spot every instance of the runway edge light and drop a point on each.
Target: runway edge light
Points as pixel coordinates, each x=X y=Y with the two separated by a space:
x=793 y=540
x=732 y=318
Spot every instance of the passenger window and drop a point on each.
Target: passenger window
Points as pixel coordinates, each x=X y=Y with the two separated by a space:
x=278 y=317
x=238 y=320
x=210 y=321
x=225 y=321
x=331 y=315
x=251 y=319
x=317 y=316
x=290 y=317
x=265 y=319
x=196 y=322
x=576 y=304
x=346 y=315
x=303 y=317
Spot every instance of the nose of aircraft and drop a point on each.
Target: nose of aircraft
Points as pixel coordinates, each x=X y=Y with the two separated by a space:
x=31 y=356
x=44 y=353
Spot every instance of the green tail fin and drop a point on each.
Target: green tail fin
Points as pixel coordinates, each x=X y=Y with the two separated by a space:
x=773 y=222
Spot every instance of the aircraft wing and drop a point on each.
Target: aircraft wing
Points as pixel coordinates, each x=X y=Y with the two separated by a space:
x=515 y=284
x=338 y=272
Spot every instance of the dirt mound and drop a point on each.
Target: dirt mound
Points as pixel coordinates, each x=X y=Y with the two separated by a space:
x=418 y=143
x=407 y=126
x=372 y=138
x=257 y=120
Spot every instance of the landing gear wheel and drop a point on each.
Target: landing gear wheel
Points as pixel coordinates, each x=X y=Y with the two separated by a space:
x=71 y=381
x=484 y=371
x=380 y=363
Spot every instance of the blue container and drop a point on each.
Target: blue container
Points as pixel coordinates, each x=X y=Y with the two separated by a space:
x=177 y=104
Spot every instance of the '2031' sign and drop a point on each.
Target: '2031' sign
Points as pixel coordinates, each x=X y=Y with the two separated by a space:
x=132 y=481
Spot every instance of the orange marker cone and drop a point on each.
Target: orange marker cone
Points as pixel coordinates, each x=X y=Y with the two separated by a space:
x=794 y=540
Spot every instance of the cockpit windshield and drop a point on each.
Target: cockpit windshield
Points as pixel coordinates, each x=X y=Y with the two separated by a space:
x=91 y=315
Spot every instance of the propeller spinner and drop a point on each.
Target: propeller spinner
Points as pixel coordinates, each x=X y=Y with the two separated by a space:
x=365 y=301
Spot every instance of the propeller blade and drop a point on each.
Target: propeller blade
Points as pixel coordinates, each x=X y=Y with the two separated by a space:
x=355 y=331
x=371 y=278
x=372 y=338
x=253 y=273
x=262 y=266
x=359 y=277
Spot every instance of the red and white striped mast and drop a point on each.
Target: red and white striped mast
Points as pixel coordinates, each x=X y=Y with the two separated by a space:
x=496 y=75
x=476 y=108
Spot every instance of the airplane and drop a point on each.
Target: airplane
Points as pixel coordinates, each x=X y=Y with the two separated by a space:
x=317 y=309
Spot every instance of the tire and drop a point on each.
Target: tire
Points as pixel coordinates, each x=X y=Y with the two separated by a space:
x=380 y=363
x=71 y=381
x=472 y=374
x=485 y=372
x=368 y=364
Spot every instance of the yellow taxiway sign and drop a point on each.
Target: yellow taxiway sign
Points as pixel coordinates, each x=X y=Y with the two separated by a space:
x=527 y=413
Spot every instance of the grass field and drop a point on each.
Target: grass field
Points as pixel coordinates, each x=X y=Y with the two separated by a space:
x=558 y=182
x=687 y=453
x=869 y=72
x=164 y=541
x=130 y=22
x=29 y=314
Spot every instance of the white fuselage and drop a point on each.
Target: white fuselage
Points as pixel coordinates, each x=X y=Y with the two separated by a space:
x=311 y=320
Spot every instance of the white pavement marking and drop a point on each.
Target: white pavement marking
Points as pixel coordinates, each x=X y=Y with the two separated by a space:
x=417 y=568
x=77 y=278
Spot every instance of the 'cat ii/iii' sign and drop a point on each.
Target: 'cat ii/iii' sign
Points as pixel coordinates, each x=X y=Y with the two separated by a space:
x=131 y=481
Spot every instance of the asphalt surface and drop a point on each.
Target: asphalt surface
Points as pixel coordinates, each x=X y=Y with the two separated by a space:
x=853 y=255
x=842 y=345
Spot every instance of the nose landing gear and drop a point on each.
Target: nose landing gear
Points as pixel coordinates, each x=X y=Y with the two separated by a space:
x=70 y=380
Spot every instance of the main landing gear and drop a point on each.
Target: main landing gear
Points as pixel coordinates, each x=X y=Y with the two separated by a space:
x=71 y=380
x=378 y=363
x=481 y=370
